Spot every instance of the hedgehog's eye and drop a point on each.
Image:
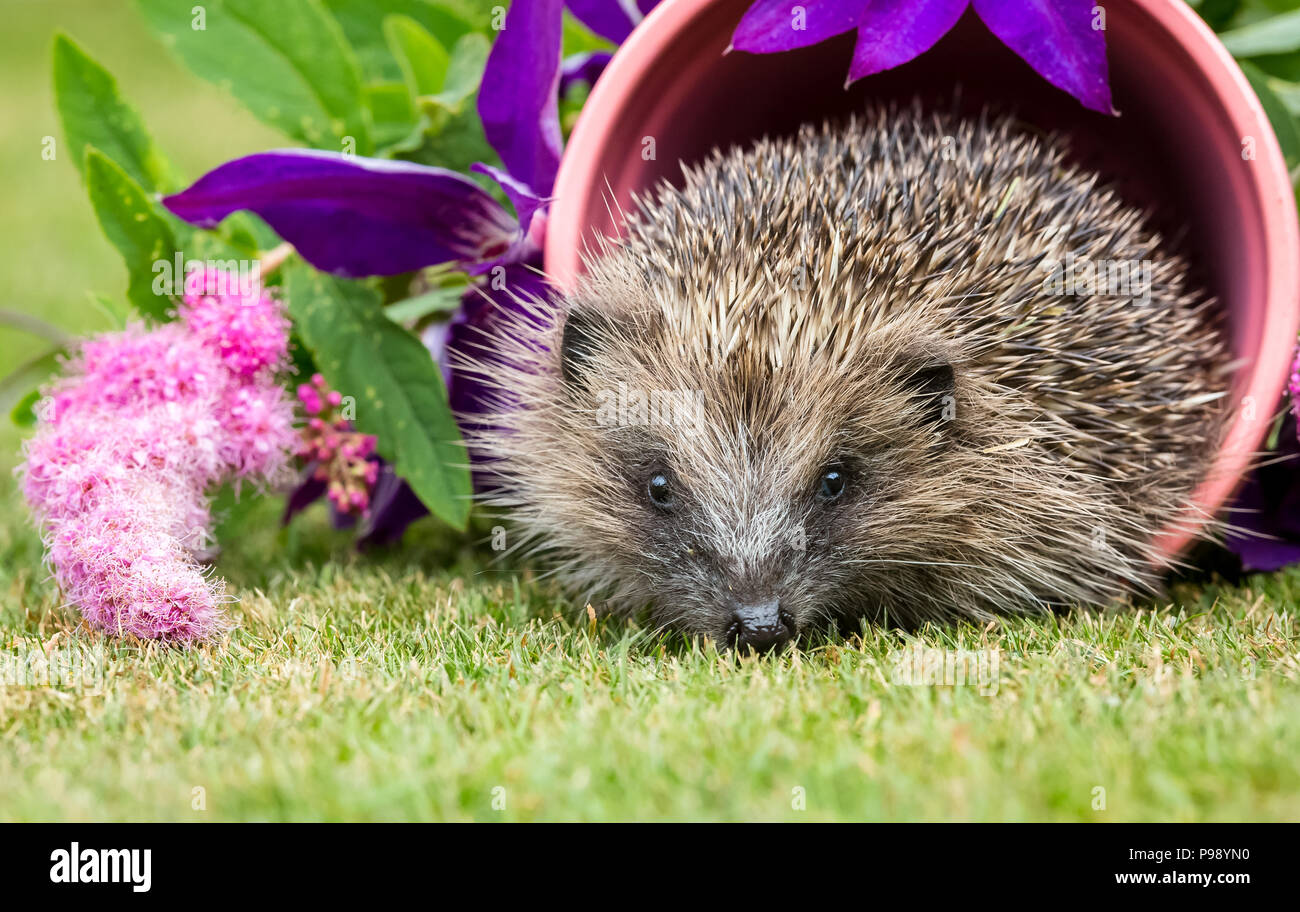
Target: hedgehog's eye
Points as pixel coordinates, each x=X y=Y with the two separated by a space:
x=831 y=484
x=660 y=491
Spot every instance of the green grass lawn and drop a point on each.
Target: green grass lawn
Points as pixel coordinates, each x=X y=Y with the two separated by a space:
x=420 y=683
x=427 y=683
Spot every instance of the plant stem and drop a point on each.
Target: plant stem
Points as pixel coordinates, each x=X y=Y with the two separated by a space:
x=36 y=326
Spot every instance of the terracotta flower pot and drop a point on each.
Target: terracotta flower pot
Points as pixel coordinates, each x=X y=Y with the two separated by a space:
x=1192 y=144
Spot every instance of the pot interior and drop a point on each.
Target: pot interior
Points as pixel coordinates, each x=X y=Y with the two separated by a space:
x=1173 y=150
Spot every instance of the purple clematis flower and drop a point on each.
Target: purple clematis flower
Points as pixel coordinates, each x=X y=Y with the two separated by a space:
x=355 y=216
x=518 y=100
x=1060 y=39
x=1266 y=513
x=585 y=67
x=612 y=21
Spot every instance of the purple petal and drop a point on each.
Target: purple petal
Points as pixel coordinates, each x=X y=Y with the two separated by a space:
x=583 y=68
x=340 y=520
x=522 y=196
x=355 y=216
x=476 y=334
x=892 y=32
x=609 y=19
x=477 y=330
x=309 y=491
x=393 y=507
x=518 y=100
x=1266 y=512
x=435 y=337
x=782 y=25
x=1058 y=40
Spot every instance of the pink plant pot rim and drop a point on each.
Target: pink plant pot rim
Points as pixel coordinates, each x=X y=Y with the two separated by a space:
x=1276 y=327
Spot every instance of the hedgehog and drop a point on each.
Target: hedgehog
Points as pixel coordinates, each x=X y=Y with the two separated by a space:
x=860 y=374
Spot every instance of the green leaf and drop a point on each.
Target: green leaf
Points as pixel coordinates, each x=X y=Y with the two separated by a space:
x=392 y=112
x=456 y=143
x=464 y=73
x=423 y=60
x=288 y=62
x=133 y=226
x=1287 y=92
x=116 y=313
x=451 y=134
x=399 y=391
x=362 y=22
x=1283 y=66
x=571 y=106
x=23 y=413
x=578 y=39
x=247 y=233
x=93 y=113
x=482 y=15
x=1250 y=12
x=1276 y=35
x=224 y=247
x=20 y=389
x=439 y=300
x=1279 y=115
x=1218 y=13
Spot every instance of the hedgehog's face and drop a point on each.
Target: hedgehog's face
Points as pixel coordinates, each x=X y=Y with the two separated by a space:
x=743 y=503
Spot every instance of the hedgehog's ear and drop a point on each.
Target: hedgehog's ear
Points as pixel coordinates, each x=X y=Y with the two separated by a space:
x=579 y=343
x=931 y=380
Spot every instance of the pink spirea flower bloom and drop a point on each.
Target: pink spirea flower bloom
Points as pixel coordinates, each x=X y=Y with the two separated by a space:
x=231 y=317
x=133 y=438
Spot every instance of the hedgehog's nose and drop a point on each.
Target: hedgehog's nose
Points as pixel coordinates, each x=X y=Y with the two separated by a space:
x=760 y=626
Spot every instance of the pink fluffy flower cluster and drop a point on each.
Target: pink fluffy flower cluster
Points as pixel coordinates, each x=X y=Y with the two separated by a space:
x=133 y=439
